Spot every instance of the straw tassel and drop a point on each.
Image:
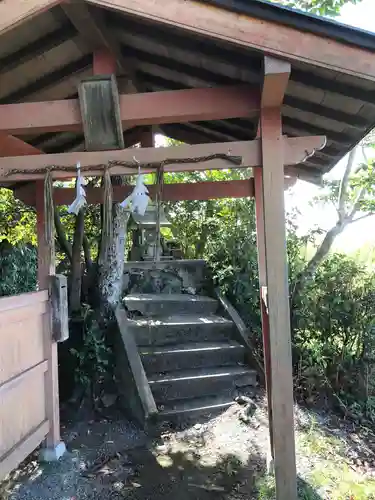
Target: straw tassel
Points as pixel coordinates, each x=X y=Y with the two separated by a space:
x=107 y=216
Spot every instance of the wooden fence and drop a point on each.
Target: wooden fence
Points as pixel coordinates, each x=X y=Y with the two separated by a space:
x=26 y=366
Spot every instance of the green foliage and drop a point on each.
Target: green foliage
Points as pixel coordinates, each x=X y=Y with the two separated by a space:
x=17 y=221
x=334 y=345
x=223 y=232
x=329 y=8
x=195 y=223
x=18 y=256
x=94 y=358
x=232 y=254
x=18 y=269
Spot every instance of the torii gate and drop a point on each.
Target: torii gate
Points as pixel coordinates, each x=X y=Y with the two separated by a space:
x=272 y=156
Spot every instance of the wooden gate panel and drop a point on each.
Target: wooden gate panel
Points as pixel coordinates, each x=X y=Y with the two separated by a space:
x=23 y=407
x=25 y=335
x=21 y=345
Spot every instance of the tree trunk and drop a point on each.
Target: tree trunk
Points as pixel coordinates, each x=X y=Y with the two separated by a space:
x=206 y=229
x=65 y=246
x=87 y=252
x=111 y=270
x=308 y=272
x=76 y=274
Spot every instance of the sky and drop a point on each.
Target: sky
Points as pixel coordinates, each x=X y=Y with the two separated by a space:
x=361 y=233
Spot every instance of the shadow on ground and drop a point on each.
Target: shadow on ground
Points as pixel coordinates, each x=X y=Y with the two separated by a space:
x=183 y=476
x=217 y=459
x=145 y=473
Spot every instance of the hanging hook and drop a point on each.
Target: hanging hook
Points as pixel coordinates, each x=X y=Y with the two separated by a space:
x=137 y=163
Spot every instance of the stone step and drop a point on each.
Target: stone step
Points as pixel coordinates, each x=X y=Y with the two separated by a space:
x=181 y=329
x=169 y=304
x=163 y=359
x=186 y=384
x=184 y=409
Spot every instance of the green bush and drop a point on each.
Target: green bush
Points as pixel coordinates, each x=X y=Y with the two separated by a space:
x=18 y=269
x=333 y=338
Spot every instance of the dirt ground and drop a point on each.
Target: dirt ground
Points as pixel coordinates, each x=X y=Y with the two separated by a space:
x=217 y=458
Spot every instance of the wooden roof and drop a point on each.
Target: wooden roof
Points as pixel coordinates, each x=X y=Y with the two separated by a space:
x=45 y=56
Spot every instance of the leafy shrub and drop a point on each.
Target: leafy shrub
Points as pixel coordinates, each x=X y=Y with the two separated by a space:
x=18 y=269
x=333 y=338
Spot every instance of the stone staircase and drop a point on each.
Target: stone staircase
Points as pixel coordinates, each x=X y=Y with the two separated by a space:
x=192 y=356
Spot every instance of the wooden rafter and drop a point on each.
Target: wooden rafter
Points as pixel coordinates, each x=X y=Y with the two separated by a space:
x=265 y=36
x=49 y=80
x=13 y=146
x=96 y=35
x=295 y=150
x=294 y=128
x=15 y=12
x=150 y=108
x=37 y=48
x=152 y=73
x=223 y=63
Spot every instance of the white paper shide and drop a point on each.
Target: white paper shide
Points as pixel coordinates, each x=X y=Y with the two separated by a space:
x=138 y=199
x=80 y=199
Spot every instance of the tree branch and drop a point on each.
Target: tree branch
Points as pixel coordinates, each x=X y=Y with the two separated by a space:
x=343 y=191
x=362 y=217
x=357 y=203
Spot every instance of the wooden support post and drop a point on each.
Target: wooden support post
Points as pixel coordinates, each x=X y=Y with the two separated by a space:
x=104 y=62
x=45 y=266
x=258 y=193
x=277 y=293
x=147 y=138
x=54 y=448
